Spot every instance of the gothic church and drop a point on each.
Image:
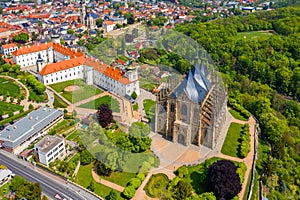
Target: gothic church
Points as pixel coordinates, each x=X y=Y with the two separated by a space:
x=192 y=110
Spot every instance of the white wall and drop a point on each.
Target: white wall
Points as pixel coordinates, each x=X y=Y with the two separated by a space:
x=64 y=75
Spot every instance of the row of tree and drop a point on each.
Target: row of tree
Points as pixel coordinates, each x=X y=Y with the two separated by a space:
x=260 y=74
x=25 y=189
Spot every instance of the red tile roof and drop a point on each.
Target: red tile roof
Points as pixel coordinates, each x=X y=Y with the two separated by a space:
x=109 y=22
x=66 y=51
x=7 y=46
x=112 y=72
x=63 y=65
x=31 y=49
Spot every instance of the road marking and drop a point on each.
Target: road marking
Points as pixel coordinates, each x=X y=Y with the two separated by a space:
x=36 y=178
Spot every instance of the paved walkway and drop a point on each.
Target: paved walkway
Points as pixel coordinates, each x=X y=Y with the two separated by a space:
x=97 y=178
x=173 y=155
x=140 y=101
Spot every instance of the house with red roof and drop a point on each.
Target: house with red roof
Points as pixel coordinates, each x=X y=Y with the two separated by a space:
x=7 y=49
x=108 y=26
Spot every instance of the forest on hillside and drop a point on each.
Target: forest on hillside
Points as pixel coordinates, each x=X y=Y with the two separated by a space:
x=263 y=75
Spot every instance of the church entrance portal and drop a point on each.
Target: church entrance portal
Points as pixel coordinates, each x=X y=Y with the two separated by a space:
x=181 y=139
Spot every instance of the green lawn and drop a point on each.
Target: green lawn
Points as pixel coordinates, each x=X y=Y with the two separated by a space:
x=84 y=178
x=197 y=175
x=236 y=114
x=9 y=88
x=254 y=35
x=72 y=135
x=230 y=146
x=135 y=106
x=6 y=108
x=149 y=106
x=84 y=92
x=66 y=124
x=157 y=185
x=58 y=102
x=114 y=104
x=59 y=87
x=119 y=178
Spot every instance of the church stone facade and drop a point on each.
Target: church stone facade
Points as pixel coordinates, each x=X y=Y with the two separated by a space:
x=192 y=110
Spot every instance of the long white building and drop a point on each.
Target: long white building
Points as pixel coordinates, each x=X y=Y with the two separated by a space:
x=56 y=63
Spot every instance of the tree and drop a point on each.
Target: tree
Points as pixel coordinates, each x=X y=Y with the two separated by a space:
x=183 y=171
x=135 y=182
x=139 y=129
x=130 y=17
x=61 y=41
x=104 y=115
x=86 y=157
x=134 y=95
x=129 y=191
x=91 y=186
x=203 y=196
x=17 y=182
x=70 y=31
x=102 y=169
x=182 y=190
x=112 y=195
x=40 y=23
x=45 y=198
x=21 y=38
x=80 y=42
x=119 y=26
x=3 y=167
x=6 y=67
x=99 y=23
x=128 y=38
x=30 y=106
x=223 y=179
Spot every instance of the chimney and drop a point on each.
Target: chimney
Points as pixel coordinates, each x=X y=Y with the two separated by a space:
x=37 y=118
x=15 y=127
x=30 y=118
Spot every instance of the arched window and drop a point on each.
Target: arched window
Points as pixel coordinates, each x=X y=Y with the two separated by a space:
x=184 y=109
x=172 y=107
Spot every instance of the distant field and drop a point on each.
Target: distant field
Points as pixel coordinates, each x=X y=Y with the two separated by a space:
x=254 y=35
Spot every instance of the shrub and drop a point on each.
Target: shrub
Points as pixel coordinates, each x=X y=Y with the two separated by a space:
x=134 y=95
x=129 y=192
x=141 y=176
x=135 y=182
x=30 y=106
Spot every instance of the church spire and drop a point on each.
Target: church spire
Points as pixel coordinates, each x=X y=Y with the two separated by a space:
x=203 y=69
x=196 y=63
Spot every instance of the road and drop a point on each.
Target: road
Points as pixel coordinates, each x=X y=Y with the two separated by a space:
x=50 y=187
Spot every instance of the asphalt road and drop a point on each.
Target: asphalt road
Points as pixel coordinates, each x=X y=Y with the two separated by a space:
x=49 y=187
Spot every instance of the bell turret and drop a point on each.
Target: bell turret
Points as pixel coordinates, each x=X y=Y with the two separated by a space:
x=39 y=63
